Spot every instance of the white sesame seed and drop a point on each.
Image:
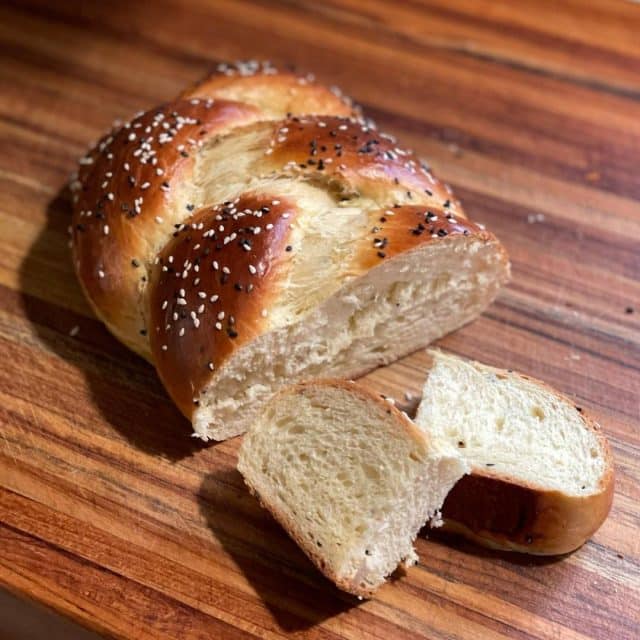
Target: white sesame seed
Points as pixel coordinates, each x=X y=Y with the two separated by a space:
x=215 y=265
x=202 y=294
x=226 y=270
x=165 y=304
x=175 y=316
x=106 y=229
x=100 y=273
x=220 y=315
x=264 y=313
x=159 y=220
x=214 y=298
x=275 y=203
x=201 y=308
x=269 y=227
x=218 y=326
x=182 y=293
x=110 y=196
x=164 y=347
x=145 y=185
x=210 y=365
x=181 y=332
x=181 y=301
x=132 y=136
x=252 y=269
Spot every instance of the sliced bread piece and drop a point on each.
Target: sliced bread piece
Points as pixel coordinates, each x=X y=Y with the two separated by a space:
x=542 y=474
x=348 y=476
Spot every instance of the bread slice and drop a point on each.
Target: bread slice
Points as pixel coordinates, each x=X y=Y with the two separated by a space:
x=348 y=476
x=542 y=474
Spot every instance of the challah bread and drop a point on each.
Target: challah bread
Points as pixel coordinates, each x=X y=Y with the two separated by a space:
x=242 y=243
x=542 y=474
x=348 y=476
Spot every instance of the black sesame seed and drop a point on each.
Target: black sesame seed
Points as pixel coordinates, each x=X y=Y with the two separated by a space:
x=442 y=232
x=232 y=333
x=191 y=207
x=321 y=165
x=143 y=332
x=184 y=154
x=447 y=204
x=382 y=254
x=224 y=278
x=629 y=310
x=80 y=227
x=490 y=464
x=135 y=263
x=238 y=287
x=288 y=248
x=579 y=409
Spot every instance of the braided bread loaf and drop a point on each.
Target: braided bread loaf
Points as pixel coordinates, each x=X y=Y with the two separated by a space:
x=257 y=231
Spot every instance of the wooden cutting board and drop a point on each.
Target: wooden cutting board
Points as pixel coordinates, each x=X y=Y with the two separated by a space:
x=111 y=514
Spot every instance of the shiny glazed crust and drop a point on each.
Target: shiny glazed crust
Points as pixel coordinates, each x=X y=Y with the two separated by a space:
x=186 y=282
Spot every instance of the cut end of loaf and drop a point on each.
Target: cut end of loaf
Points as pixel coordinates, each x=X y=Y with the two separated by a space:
x=393 y=309
x=349 y=477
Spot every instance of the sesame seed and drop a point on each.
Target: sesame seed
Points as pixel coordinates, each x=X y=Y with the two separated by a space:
x=145 y=185
x=202 y=294
x=252 y=269
x=264 y=313
x=201 y=309
x=181 y=332
x=214 y=298
x=165 y=304
x=220 y=315
x=226 y=270
x=210 y=365
x=159 y=220
x=164 y=347
x=110 y=196
x=181 y=301
x=106 y=229
x=100 y=273
x=218 y=326
x=132 y=136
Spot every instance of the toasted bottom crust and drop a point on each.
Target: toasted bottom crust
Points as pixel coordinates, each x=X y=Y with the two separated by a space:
x=501 y=513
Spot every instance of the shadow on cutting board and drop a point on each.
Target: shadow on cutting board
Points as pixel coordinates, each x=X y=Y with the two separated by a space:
x=124 y=388
x=291 y=588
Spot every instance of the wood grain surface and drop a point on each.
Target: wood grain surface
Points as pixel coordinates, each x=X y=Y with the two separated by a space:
x=111 y=514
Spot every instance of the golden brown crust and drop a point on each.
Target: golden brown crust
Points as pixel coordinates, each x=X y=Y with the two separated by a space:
x=277 y=91
x=125 y=192
x=211 y=288
x=357 y=159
